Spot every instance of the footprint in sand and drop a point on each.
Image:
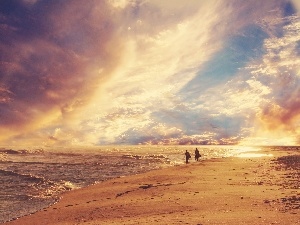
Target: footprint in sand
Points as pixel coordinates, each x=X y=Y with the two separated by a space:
x=91 y=201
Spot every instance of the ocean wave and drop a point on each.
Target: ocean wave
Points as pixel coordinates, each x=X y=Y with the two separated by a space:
x=57 y=188
x=11 y=151
x=21 y=151
x=36 y=187
x=131 y=156
x=66 y=154
x=3 y=157
x=27 y=177
x=17 y=197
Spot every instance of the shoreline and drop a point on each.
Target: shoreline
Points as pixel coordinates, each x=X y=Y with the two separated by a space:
x=215 y=191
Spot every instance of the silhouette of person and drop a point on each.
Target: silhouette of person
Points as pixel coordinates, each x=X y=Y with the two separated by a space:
x=187 y=156
x=197 y=154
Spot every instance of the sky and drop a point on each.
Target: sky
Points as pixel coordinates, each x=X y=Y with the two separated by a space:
x=86 y=73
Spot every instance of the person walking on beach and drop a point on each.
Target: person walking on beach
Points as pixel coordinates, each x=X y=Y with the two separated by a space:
x=187 y=156
x=197 y=154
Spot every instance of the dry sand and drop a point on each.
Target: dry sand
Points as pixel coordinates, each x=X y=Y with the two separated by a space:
x=261 y=190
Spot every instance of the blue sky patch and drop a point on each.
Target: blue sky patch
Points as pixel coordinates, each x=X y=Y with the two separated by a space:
x=237 y=52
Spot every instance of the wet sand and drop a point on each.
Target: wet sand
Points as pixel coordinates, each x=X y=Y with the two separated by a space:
x=262 y=190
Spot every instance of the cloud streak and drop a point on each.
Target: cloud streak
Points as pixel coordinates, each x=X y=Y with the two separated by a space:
x=152 y=72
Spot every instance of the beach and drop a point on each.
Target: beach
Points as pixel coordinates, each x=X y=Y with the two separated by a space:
x=234 y=190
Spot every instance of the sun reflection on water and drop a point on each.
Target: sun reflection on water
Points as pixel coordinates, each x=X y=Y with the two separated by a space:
x=253 y=155
x=251 y=152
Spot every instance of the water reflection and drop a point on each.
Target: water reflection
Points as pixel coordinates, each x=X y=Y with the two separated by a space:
x=253 y=155
x=252 y=152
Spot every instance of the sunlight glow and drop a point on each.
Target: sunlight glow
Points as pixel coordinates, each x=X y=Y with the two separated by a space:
x=254 y=155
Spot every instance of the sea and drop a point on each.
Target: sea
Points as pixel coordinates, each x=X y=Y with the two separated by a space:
x=33 y=179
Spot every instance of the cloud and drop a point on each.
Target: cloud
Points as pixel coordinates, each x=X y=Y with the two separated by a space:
x=30 y=2
x=296 y=4
x=103 y=72
x=50 y=57
x=279 y=69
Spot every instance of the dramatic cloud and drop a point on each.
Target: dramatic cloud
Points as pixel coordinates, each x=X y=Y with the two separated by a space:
x=53 y=57
x=279 y=70
x=152 y=72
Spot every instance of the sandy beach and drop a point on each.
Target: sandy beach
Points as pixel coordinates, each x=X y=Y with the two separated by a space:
x=257 y=190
